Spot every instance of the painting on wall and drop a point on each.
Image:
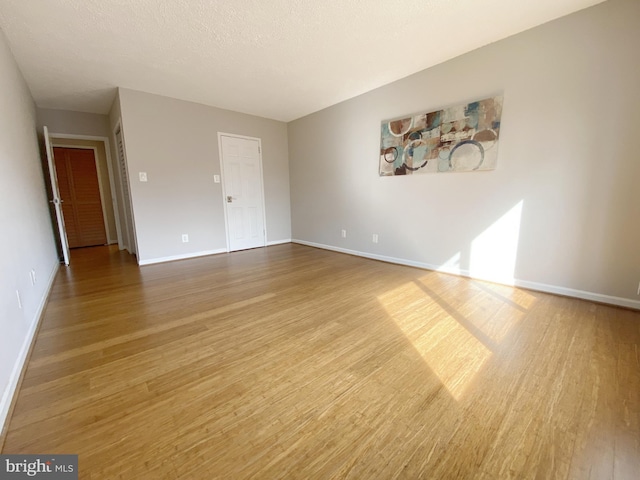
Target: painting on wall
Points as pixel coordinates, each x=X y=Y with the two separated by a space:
x=455 y=139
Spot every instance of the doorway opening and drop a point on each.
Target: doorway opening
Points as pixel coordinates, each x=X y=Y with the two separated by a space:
x=83 y=205
x=83 y=192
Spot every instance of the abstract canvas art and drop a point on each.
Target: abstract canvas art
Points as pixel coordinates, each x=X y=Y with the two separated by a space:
x=455 y=139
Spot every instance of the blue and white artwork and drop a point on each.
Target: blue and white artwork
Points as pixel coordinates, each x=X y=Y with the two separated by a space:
x=455 y=139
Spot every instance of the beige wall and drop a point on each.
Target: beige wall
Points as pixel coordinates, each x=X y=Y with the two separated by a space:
x=561 y=211
x=103 y=176
x=78 y=123
x=27 y=241
x=175 y=143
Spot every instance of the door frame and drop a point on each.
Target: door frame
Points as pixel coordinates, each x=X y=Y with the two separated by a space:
x=224 y=195
x=102 y=201
x=112 y=186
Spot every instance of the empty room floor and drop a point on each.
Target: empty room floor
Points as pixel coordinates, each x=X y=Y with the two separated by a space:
x=294 y=362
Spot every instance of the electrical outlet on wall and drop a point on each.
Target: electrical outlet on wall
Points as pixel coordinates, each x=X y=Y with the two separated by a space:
x=185 y=238
x=374 y=238
x=344 y=233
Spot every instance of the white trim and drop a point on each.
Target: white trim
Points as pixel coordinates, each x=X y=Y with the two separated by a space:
x=112 y=185
x=70 y=136
x=224 y=195
x=151 y=261
x=278 y=242
x=571 y=292
x=10 y=390
x=540 y=287
x=100 y=189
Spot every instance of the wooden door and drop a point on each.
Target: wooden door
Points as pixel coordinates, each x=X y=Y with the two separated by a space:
x=242 y=174
x=80 y=194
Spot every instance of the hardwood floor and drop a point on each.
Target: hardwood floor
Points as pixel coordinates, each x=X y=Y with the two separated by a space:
x=293 y=362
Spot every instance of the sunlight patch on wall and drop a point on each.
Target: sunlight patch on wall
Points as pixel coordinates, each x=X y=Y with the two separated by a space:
x=494 y=252
x=452 y=265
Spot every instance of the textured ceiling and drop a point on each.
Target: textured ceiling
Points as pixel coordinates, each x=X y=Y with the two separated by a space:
x=280 y=59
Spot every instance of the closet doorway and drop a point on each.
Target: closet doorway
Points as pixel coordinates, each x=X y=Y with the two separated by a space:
x=82 y=205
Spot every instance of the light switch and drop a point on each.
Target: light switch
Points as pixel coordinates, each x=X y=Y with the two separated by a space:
x=143 y=176
x=216 y=179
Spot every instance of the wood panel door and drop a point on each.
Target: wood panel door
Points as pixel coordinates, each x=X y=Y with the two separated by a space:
x=80 y=194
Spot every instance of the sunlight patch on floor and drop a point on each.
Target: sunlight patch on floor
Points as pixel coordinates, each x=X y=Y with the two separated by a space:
x=455 y=367
x=518 y=297
x=432 y=331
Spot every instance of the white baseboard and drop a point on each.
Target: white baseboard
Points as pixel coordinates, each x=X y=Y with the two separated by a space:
x=278 y=242
x=571 y=292
x=540 y=287
x=151 y=261
x=10 y=391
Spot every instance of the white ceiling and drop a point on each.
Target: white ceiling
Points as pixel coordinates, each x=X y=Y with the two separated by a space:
x=280 y=59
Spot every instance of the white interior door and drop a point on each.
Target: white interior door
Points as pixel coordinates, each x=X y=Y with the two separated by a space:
x=57 y=202
x=243 y=193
